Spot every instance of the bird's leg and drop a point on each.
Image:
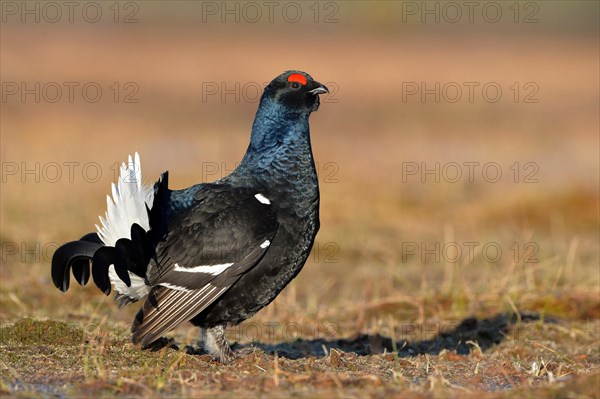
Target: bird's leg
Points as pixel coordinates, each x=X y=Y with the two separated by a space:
x=216 y=344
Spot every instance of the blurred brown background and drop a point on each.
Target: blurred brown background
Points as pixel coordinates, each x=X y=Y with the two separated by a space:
x=158 y=64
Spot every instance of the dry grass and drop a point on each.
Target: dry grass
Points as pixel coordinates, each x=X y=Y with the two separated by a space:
x=372 y=314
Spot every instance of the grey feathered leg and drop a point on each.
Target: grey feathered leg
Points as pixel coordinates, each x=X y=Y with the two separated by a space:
x=216 y=344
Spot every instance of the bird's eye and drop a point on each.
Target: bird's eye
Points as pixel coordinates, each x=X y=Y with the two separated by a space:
x=295 y=85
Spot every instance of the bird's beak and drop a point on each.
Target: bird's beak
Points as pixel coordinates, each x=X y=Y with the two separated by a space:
x=320 y=89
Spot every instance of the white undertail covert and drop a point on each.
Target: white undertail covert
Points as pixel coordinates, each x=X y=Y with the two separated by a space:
x=126 y=207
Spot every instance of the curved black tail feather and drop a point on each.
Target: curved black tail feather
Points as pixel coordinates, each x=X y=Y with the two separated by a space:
x=128 y=255
x=75 y=256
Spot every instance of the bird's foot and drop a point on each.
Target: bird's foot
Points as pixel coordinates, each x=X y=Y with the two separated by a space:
x=216 y=344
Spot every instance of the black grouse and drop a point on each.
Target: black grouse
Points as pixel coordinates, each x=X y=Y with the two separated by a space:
x=214 y=253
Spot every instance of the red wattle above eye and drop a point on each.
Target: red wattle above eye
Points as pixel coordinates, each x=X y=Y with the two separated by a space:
x=297 y=77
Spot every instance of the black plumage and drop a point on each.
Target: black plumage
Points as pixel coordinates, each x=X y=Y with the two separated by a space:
x=215 y=253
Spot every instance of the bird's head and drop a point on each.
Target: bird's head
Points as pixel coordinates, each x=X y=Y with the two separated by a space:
x=296 y=91
x=282 y=116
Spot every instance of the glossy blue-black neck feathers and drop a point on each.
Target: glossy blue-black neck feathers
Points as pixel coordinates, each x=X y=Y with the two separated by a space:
x=279 y=134
x=279 y=160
